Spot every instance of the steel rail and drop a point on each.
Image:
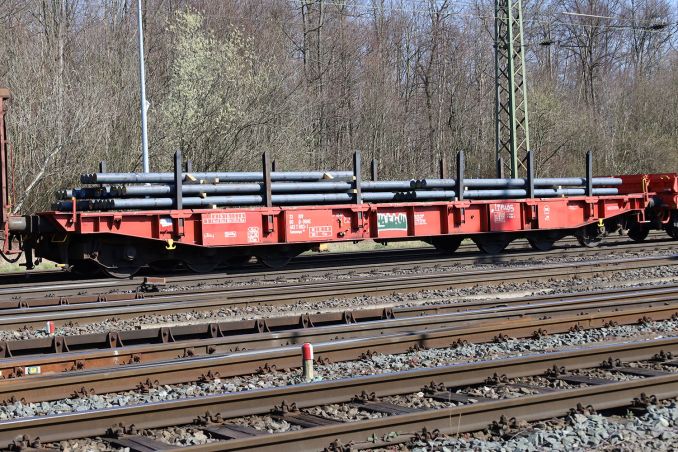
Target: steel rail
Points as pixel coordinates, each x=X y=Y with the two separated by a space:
x=185 y=411
x=273 y=349
x=277 y=294
x=26 y=349
x=51 y=292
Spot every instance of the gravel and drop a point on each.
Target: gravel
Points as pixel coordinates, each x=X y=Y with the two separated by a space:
x=180 y=436
x=343 y=412
x=84 y=444
x=265 y=423
x=418 y=400
x=374 y=364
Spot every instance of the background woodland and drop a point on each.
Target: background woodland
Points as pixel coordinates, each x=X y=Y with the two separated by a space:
x=404 y=81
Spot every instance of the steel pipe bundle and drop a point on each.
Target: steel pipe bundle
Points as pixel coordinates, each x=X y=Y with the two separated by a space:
x=187 y=189
x=314 y=198
x=85 y=193
x=253 y=188
x=517 y=183
x=539 y=193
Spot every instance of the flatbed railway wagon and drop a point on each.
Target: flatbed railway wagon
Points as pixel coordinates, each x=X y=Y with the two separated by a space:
x=110 y=232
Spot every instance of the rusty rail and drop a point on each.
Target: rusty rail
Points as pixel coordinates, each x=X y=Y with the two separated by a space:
x=265 y=350
x=26 y=349
x=132 y=306
x=466 y=418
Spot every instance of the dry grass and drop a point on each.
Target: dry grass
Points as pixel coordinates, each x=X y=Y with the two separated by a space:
x=6 y=267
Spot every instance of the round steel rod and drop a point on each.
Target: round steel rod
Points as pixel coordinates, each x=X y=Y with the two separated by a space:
x=253 y=176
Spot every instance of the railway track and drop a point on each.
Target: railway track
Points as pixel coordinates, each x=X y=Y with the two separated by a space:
x=314 y=266
x=137 y=359
x=345 y=336
x=86 y=309
x=653 y=373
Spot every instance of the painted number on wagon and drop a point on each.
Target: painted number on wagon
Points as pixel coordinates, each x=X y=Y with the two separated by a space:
x=225 y=218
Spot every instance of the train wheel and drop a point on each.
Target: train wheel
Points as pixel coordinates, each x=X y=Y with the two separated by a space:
x=541 y=244
x=164 y=266
x=122 y=272
x=672 y=226
x=446 y=244
x=638 y=232
x=275 y=260
x=85 y=268
x=279 y=256
x=589 y=240
x=206 y=265
x=237 y=261
x=494 y=245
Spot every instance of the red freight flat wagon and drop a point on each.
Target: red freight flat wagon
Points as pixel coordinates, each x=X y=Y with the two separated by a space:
x=124 y=241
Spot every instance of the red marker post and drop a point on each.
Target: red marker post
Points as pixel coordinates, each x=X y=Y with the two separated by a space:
x=49 y=327
x=307 y=361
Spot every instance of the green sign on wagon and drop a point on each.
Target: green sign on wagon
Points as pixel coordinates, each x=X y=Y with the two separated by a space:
x=392 y=221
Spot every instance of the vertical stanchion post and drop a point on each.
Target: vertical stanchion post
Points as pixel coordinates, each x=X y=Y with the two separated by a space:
x=102 y=169
x=589 y=174
x=530 y=174
x=189 y=166
x=178 y=181
x=373 y=171
x=460 y=175
x=500 y=168
x=442 y=168
x=357 y=182
x=274 y=166
x=266 y=160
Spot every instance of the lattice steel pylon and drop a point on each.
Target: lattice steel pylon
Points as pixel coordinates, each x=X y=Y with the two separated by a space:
x=512 y=136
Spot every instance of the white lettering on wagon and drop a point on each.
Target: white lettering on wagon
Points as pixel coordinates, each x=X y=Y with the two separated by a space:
x=502 y=212
x=225 y=218
x=298 y=225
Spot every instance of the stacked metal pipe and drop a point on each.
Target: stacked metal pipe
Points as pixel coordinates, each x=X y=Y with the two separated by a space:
x=125 y=191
